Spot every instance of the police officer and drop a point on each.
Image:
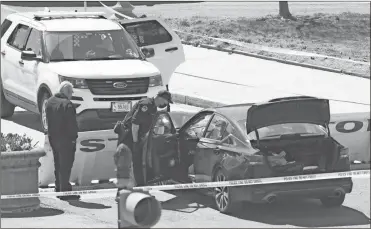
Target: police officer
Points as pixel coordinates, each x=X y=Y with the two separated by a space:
x=62 y=133
x=137 y=124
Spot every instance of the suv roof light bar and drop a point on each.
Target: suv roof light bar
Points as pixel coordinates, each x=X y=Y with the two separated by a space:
x=59 y=15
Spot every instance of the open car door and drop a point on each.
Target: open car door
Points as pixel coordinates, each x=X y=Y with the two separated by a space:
x=161 y=149
x=154 y=33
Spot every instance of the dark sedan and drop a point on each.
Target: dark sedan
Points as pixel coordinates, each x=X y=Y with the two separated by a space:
x=281 y=137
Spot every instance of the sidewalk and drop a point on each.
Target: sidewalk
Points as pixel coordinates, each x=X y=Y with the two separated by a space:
x=225 y=78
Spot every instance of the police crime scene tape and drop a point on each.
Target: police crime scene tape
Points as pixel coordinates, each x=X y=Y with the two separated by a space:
x=232 y=183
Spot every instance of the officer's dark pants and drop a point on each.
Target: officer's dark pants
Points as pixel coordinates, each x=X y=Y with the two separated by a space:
x=137 y=159
x=64 y=156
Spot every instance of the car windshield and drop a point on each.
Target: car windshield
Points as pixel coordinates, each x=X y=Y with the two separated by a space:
x=284 y=129
x=90 y=45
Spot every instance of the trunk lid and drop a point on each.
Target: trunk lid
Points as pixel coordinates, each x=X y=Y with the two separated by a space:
x=288 y=110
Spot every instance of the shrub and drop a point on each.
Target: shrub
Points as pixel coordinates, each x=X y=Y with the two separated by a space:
x=15 y=142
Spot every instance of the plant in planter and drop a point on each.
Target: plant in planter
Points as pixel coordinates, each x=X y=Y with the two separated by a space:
x=20 y=163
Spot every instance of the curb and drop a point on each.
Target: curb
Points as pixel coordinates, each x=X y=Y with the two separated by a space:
x=194 y=101
x=276 y=59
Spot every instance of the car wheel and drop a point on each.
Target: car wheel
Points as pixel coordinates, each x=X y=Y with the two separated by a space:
x=44 y=121
x=7 y=109
x=222 y=195
x=331 y=201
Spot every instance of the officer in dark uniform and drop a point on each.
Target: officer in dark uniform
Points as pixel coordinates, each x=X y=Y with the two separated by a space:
x=137 y=124
x=62 y=133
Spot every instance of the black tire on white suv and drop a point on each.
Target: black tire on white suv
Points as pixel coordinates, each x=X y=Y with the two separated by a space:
x=7 y=109
x=42 y=107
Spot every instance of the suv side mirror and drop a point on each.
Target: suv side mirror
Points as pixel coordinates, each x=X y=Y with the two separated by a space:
x=148 y=52
x=29 y=55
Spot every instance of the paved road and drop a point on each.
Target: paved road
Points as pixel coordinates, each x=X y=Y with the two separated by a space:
x=190 y=209
x=249 y=79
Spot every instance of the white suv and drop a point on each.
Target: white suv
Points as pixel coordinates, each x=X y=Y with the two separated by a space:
x=109 y=71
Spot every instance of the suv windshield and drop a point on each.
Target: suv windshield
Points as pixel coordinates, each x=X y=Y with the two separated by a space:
x=90 y=45
x=284 y=129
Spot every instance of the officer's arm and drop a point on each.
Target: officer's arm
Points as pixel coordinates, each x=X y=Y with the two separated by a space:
x=135 y=131
x=72 y=122
x=138 y=117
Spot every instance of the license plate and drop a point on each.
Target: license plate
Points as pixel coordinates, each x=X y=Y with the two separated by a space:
x=121 y=106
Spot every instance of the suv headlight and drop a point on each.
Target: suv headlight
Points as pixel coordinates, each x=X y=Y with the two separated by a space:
x=77 y=83
x=155 y=81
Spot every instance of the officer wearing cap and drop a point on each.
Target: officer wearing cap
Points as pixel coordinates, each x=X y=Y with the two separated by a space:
x=137 y=124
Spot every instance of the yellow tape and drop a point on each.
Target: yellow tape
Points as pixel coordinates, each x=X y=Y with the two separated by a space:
x=271 y=180
x=247 y=182
x=53 y=194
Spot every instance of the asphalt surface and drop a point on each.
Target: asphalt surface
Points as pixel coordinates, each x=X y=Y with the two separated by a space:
x=185 y=208
x=190 y=209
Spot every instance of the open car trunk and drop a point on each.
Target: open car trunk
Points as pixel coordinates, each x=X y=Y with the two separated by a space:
x=288 y=110
x=296 y=153
x=303 y=155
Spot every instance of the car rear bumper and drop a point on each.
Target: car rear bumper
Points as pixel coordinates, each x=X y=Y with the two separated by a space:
x=306 y=189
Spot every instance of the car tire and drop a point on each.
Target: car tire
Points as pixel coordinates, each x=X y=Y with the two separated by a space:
x=42 y=107
x=222 y=195
x=331 y=202
x=7 y=109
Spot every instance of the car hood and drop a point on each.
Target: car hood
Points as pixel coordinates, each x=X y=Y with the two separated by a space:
x=308 y=110
x=104 y=68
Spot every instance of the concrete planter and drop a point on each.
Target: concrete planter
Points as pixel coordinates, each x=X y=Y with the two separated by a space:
x=20 y=176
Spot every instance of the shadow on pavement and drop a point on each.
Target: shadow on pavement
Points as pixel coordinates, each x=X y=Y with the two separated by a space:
x=87 y=205
x=41 y=212
x=27 y=119
x=304 y=213
x=185 y=201
x=301 y=213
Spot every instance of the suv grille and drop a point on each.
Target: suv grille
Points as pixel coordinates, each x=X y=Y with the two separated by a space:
x=106 y=86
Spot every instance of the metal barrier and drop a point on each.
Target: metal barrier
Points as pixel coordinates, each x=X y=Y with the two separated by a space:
x=137 y=209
